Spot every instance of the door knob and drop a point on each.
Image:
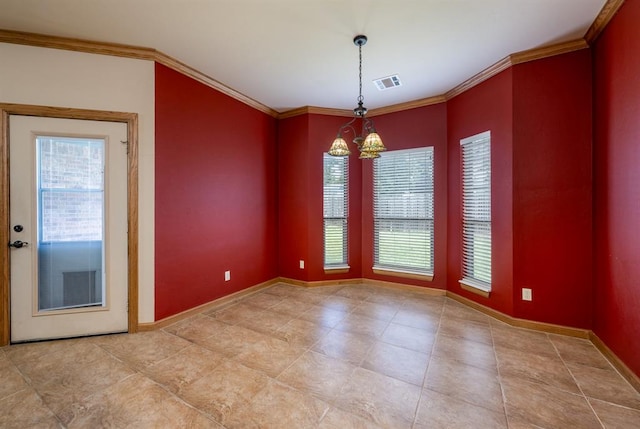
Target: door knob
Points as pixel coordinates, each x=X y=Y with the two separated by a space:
x=18 y=244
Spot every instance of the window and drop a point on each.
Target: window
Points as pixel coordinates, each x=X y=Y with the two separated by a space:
x=70 y=188
x=403 y=212
x=476 y=211
x=336 y=210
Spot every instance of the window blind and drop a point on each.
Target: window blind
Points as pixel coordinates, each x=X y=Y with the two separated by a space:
x=476 y=210
x=403 y=210
x=336 y=209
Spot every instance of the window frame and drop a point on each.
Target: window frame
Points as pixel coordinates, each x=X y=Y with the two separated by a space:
x=426 y=186
x=470 y=222
x=343 y=264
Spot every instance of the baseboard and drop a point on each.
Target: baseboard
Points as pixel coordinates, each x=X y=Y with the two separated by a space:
x=303 y=283
x=521 y=323
x=622 y=368
x=220 y=302
x=387 y=284
x=405 y=287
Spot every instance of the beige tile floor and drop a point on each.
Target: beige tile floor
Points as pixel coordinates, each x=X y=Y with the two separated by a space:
x=355 y=356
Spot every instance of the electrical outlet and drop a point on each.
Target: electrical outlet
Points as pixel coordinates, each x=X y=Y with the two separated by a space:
x=301 y=264
x=526 y=294
x=227 y=276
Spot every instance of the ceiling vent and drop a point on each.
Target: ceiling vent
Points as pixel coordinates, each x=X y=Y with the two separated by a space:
x=388 y=82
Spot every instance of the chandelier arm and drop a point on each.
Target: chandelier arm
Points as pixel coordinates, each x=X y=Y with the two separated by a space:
x=353 y=130
x=367 y=124
x=347 y=127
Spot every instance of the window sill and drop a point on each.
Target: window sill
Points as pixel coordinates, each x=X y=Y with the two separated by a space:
x=336 y=269
x=475 y=287
x=405 y=274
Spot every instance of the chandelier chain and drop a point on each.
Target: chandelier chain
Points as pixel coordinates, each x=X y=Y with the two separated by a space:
x=360 y=97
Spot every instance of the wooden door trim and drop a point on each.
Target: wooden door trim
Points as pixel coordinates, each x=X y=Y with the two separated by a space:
x=131 y=119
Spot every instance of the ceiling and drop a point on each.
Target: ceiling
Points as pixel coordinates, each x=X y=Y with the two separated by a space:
x=287 y=54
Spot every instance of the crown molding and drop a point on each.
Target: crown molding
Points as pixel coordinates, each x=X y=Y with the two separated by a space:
x=315 y=110
x=408 y=105
x=477 y=79
x=548 y=51
x=373 y=112
x=79 y=45
x=602 y=20
x=517 y=58
x=207 y=80
x=128 y=51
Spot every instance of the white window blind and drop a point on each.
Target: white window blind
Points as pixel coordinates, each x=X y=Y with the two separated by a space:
x=476 y=211
x=336 y=209
x=403 y=210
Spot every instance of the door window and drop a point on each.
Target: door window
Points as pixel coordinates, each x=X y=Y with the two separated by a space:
x=71 y=222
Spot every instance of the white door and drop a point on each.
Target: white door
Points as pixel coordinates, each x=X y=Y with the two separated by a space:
x=68 y=226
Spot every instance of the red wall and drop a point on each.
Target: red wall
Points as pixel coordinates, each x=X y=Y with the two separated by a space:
x=302 y=140
x=215 y=194
x=485 y=107
x=424 y=126
x=552 y=228
x=293 y=200
x=617 y=191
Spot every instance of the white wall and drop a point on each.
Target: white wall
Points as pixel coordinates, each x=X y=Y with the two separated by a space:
x=51 y=77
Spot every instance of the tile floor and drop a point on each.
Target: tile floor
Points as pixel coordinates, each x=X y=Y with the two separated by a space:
x=354 y=356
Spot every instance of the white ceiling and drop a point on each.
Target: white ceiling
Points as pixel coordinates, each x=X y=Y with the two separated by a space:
x=291 y=53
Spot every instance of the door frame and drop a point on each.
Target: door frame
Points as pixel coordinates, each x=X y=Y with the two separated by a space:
x=131 y=119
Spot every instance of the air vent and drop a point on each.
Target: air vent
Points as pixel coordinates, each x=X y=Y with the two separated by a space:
x=388 y=82
x=78 y=288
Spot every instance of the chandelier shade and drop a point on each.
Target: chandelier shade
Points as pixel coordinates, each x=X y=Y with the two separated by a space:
x=369 y=155
x=367 y=140
x=373 y=143
x=339 y=147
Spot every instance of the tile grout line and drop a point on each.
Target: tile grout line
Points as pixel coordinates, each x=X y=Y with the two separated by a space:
x=104 y=389
x=57 y=417
x=180 y=399
x=492 y=346
x=365 y=354
x=575 y=380
x=504 y=395
x=426 y=371
x=356 y=366
x=193 y=344
x=331 y=403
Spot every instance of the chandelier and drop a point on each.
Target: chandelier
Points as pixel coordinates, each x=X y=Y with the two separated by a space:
x=368 y=141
